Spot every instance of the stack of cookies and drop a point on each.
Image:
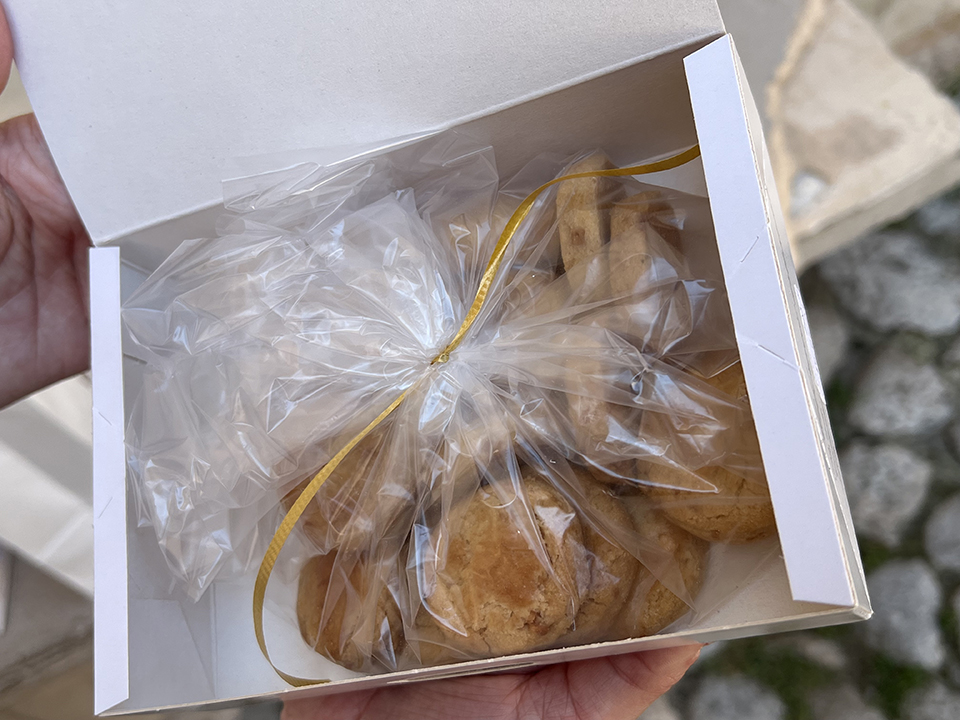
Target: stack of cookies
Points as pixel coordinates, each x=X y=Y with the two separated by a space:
x=527 y=554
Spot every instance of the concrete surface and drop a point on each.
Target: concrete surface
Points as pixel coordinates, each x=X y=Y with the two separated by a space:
x=857 y=138
x=49 y=627
x=925 y=33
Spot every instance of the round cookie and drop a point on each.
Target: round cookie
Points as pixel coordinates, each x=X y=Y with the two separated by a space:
x=652 y=606
x=357 y=503
x=432 y=646
x=491 y=593
x=737 y=511
x=359 y=632
x=609 y=574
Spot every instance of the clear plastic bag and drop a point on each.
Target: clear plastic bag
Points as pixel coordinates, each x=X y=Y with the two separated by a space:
x=558 y=481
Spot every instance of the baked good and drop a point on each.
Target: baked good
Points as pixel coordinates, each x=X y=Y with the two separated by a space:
x=583 y=381
x=608 y=576
x=719 y=504
x=629 y=250
x=712 y=503
x=347 y=612
x=537 y=292
x=652 y=606
x=492 y=593
x=620 y=475
x=730 y=381
x=358 y=503
x=581 y=221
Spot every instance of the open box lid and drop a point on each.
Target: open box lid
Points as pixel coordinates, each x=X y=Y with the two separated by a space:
x=786 y=394
x=820 y=559
x=141 y=103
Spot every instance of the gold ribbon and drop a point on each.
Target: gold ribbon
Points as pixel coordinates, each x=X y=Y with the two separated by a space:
x=308 y=494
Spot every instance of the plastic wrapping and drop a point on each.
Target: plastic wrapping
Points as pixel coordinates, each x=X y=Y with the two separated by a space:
x=558 y=481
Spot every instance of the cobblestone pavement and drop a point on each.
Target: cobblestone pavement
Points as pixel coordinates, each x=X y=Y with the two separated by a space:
x=885 y=316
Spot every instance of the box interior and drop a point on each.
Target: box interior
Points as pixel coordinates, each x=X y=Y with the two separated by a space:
x=182 y=653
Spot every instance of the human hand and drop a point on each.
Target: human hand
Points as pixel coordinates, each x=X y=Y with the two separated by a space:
x=44 y=315
x=612 y=688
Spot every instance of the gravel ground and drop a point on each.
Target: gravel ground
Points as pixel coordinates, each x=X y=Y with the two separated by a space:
x=885 y=319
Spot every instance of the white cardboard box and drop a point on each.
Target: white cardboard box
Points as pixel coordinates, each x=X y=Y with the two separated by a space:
x=142 y=103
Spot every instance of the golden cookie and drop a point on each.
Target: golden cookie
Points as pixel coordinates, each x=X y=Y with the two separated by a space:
x=357 y=503
x=362 y=629
x=493 y=594
x=581 y=221
x=714 y=503
x=610 y=572
x=652 y=607
x=477 y=449
x=538 y=293
x=629 y=251
x=432 y=645
x=589 y=413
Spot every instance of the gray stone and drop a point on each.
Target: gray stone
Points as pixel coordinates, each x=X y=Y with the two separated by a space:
x=950 y=362
x=893 y=281
x=735 y=698
x=955 y=604
x=942 y=535
x=940 y=218
x=842 y=703
x=819 y=650
x=805 y=190
x=906 y=602
x=934 y=702
x=661 y=709
x=953 y=439
x=48 y=627
x=830 y=336
x=899 y=396
x=887 y=486
x=952 y=672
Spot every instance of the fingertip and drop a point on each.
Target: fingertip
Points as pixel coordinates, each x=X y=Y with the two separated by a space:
x=671 y=664
x=6 y=49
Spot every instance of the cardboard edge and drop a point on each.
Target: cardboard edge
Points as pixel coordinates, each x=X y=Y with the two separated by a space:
x=824 y=618
x=111 y=649
x=748 y=233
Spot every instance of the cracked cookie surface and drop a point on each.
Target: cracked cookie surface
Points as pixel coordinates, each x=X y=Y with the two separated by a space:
x=507 y=583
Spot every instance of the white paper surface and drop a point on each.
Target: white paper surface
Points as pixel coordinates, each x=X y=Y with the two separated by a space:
x=109 y=492
x=750 y=235
x=141 y=102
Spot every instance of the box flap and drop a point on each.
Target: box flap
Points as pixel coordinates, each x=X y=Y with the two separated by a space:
x=142 y=102
x=110 y=643
x=788 y=404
